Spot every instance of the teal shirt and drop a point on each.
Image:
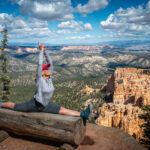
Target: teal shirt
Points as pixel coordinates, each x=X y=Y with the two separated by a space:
x=44 y=87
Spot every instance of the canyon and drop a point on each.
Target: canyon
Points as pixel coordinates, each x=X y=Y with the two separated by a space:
x=85 y=72
x=130 y=88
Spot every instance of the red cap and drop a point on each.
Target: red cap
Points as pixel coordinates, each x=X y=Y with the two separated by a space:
x=45 y=67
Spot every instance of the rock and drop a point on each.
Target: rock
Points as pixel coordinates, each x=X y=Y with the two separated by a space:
x=88 y=91
x=131 y=86
x=122 y=116
x=66 y=147
x=3 y=135
x=131 y=90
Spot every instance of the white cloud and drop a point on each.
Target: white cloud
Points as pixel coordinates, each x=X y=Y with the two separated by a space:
x=92 y=5
x=20 y=29
x=131 y=21
x=70 y=24
x=88 y=27
x=81 y=37
x=64 y=31
x=60 y=10
x=47 y=9
x=76 y=25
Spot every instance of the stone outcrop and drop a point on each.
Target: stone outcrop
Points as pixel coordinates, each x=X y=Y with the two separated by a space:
x=122 y=116
x=88 y=91
x=131 y=90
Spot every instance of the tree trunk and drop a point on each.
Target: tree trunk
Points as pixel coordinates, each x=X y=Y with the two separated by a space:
x=42 y=125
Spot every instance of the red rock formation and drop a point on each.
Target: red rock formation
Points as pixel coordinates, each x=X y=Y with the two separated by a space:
x=88 y=91
x=20 y=50
x=99 y=47
x=122 y=116
x=129 y=85
x=131 y=90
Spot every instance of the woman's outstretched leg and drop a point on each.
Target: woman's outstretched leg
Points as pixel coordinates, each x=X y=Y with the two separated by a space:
x=65 y=111
x=56 y=109
x=86 y=114
x=8 y=105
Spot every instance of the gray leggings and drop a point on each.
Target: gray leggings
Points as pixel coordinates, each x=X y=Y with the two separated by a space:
x=33 y=106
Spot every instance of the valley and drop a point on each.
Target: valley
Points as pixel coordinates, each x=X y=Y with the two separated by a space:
x=75 y=68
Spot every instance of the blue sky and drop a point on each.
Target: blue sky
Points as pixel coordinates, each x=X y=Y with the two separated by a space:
x=76 y=21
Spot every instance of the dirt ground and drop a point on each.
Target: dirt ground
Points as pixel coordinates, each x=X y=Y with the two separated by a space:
x=97 y=138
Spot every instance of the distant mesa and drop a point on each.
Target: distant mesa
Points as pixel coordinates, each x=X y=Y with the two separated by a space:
x=99 y=47
x=21 y=50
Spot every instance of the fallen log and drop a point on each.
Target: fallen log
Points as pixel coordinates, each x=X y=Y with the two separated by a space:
x=42 y=125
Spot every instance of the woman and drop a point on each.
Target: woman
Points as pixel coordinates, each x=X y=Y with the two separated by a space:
x=44 y=92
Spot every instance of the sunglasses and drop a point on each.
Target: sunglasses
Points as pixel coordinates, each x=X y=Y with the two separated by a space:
x=47 y=68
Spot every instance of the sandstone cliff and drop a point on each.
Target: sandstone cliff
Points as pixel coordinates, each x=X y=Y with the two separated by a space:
x=131 y=90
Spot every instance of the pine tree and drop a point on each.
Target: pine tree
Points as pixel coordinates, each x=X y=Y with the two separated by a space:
x=146 y=126
x=4 y=78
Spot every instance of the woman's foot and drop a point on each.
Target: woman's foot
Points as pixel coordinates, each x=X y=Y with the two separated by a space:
x=9 y=105
x=87 y=113
x=0 y=103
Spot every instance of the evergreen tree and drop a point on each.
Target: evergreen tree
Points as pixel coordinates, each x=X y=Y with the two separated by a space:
x=146 y=126
x=4 y=78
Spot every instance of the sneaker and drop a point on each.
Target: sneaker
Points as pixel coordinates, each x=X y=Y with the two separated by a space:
x=0 y=103
x=87 y=113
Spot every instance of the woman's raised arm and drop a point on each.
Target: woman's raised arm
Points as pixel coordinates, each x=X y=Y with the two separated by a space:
x=49 y=60
x=40 y=62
